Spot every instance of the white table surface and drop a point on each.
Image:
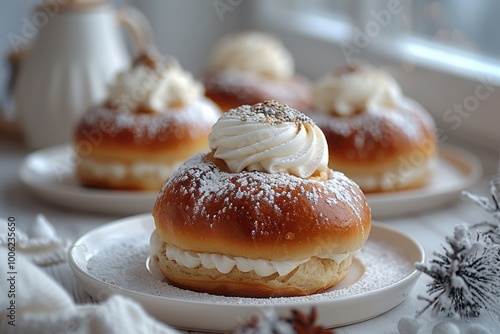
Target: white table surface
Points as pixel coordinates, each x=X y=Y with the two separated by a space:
x=429 y=228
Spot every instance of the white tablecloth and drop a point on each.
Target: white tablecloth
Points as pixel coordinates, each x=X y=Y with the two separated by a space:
x=429 y=228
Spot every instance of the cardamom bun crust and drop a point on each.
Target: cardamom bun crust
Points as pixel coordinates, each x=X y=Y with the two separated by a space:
x=231 y=89
x=382 y=149
x=203 y=208
x=140 y=150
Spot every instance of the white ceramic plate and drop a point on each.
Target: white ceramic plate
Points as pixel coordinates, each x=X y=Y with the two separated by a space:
x=457 y=169
x=49 y=174
x=112 y=259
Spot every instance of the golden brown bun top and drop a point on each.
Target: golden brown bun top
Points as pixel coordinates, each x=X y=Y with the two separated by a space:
x=139 y=129
x=378 y=135
x=205 y=208
x=230 y=89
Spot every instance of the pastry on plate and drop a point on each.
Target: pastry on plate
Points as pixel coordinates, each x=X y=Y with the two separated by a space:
x=250 y=67
x=261 y=215
x=155 y=117
x=377 y=136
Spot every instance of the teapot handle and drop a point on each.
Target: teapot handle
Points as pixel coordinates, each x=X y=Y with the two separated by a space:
x=14 y=59
x=8 y=121
x=138 y=25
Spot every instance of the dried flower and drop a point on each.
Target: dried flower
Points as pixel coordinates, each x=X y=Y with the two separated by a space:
x=267 y=321
x=466 y=277
x=488 y=228
x=484 y=202
x=306 y=324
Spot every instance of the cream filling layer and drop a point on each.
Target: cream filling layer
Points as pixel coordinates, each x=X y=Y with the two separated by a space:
x=225 y=264
x=120 y=171
x=391 y=180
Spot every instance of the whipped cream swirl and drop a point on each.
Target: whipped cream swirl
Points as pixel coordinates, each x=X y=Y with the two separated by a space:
x=356 y=90
x=154 y=88
x=253 y=52
x=269 y=137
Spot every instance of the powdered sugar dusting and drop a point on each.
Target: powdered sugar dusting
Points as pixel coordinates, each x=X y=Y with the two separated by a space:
x=207 y=181
x=254 y=88
x=123 y=264
x=268 y=112
x=147 y=127
x=377 y=125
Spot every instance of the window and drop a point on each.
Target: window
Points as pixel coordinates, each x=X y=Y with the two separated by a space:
x=466 y=25
x=458 y=36
x=442 y=52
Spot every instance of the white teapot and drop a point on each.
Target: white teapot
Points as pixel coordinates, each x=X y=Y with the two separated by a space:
x=66 y=69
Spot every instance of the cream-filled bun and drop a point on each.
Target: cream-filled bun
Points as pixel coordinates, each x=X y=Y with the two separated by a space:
x=156 y=116
x=261 y=215
x=378 y=137
x=250 y=67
